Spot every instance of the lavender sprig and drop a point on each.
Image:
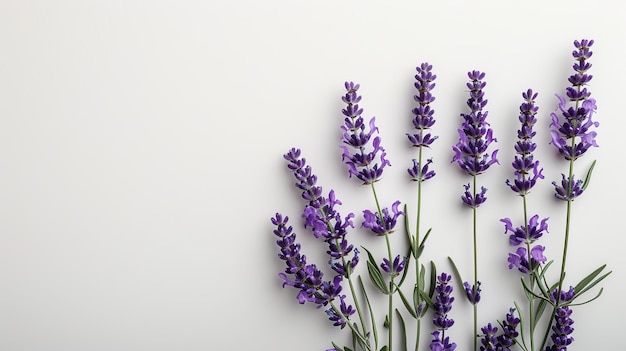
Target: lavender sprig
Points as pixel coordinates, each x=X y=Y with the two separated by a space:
x=307 y=278
x=573 y=136
x=471 y=155
x=365 y=158
x=442 y=305
x=421 y=138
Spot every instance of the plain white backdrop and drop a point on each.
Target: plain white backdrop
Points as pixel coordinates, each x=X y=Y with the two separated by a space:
x=141 y=152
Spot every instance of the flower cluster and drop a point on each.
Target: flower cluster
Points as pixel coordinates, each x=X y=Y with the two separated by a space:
x=423 y=120
x=562 y=326
x=320 y=215
x=547 y=305
x=307 y=278
x=572 y=123
x=526 y=168
x=491 y=340
x=361 y=163
x=475 y=135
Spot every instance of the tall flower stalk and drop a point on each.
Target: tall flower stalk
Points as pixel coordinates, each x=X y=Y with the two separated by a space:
x=528 y=257
x=573 y=135
x=470 y=153
x=366 y=160
x=421 y=138
x=325 y=222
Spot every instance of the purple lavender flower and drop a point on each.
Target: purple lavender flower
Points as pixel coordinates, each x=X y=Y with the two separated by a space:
x=437 y=344
x=562 y=325
x=443 y=302
x=472 y=292
x=380 y=227
x=475 y=136
x=306 y=277
x=423 y=119
x=321 y=216
x=509 y=331
x=569 y=189
x=489 y=340
x=471 y=200
x=519 y=259
x=571 y=133
x=527 y=170
x=525 y=234
x=423 y=174
x=357 y=137
x=503 y=341
x=395 y=268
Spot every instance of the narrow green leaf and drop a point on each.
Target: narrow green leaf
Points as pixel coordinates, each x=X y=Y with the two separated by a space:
x=348 y=349
x=375 y=275
x=586 y=280
x=407 y=304
x=386 y=322
x=521 y=324
x=403 y=334
x=371 y=311
x=588 y=177
x=427 y=299
x=541 y=307
x=384 y=348
x=582 y=303
x=420 y=249
x=457 y=274
x=339 y=348
x=532 y=293
x=433 y=279
x=591 y=285
x=377 y=278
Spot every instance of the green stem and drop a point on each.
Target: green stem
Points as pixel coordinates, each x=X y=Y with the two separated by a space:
x=391 y=282
x=531 y=278
x=475 y=287
x=416 y=243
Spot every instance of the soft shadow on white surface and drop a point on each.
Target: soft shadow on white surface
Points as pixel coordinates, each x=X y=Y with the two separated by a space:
x=141 y=152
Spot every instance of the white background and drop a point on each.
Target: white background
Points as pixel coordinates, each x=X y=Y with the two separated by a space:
x=141 y=152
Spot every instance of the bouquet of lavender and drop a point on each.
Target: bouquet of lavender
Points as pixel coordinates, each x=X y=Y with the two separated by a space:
x=543 y=321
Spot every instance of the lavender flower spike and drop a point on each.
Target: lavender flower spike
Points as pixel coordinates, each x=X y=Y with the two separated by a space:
x=307 y=278
x=475 y=136
x=443 y=302
x=562 y=327
x=322 y=217
x=572 y=123
x=526 y=168
x=423 y=120
x=364 y=156
x=387 y=224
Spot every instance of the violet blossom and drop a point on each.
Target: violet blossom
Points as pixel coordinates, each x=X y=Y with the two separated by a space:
x=519 y=259
x=322 y=217
x=443 y=302
x=562 y=324
x=423 y=120
x=385 y=226
x=475 y=135
x=393 y=268
x=492 y=340
x=307 y=278
x=525 y=234
x=526 y=168
x=437 y=344
x=572 y=122
x=364 y=156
